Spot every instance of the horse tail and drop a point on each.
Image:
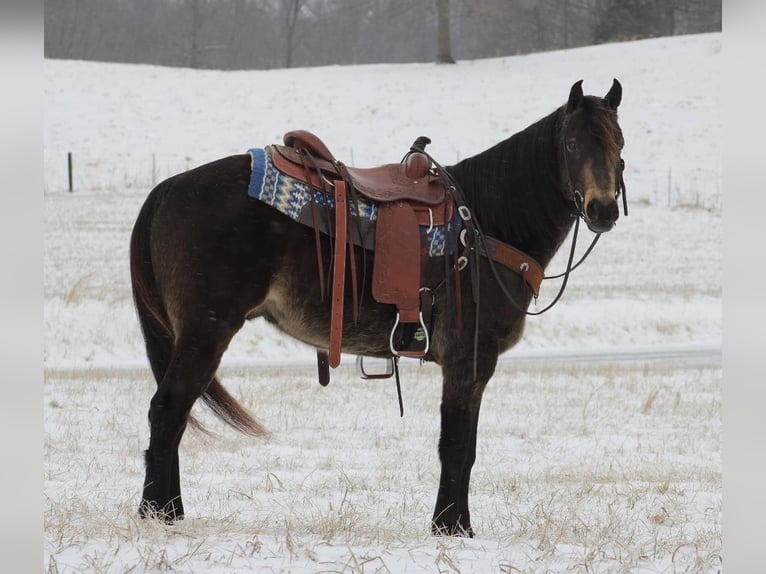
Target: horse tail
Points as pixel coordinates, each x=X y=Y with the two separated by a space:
x=229 y=411
x=156 y=326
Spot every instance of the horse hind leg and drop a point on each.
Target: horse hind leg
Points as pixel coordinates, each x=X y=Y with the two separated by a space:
x=190 y=373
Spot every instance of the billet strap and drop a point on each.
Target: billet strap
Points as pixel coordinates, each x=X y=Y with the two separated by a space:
x=323 y=367
x=339 y=273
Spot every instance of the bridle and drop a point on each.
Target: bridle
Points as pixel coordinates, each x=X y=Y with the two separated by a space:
x=577 y=198
x=573 y=193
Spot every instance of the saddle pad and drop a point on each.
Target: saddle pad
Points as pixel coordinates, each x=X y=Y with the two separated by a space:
x=290 y=196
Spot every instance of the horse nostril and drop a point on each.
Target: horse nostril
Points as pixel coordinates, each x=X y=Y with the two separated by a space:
x=597 y=211
x=592 y=210
x=612 y=212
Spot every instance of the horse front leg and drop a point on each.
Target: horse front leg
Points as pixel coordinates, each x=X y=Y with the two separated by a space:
x=461 y=401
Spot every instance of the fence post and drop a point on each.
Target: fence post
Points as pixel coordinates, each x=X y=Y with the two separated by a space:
x=69 y=170
x=669 y=187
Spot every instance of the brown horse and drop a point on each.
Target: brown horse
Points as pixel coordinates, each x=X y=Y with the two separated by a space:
x=205 y=257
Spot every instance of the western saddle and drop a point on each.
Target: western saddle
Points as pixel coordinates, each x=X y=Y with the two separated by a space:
x=410 y=196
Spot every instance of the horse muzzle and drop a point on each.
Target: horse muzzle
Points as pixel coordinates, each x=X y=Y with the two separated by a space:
x=601 y=217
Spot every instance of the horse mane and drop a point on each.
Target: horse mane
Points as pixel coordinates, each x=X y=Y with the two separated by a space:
x=514 y=187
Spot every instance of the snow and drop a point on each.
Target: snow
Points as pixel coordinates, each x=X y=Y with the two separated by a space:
x=653 y=284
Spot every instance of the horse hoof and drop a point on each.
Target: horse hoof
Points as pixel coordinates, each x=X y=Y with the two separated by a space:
x=452 y=530
x=169 y=514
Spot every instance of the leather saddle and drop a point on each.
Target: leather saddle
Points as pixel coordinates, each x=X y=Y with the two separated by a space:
x=410 y=180
x=410 y=196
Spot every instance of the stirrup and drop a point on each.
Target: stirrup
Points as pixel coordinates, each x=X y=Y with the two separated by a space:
x=422 y=328
x=387 y=374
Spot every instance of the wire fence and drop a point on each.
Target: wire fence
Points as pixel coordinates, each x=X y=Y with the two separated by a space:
x=672 y=188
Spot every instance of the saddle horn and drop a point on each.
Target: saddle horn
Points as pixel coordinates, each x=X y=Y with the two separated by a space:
x=420 y=143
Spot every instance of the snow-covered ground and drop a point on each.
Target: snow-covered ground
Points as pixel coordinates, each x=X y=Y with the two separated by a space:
x=582 y=467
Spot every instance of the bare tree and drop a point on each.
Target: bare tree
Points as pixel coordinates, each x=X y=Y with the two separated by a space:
x=444 y=41
x=194 y=8
x=292 y=11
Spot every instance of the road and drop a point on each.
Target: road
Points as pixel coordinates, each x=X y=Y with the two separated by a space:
x=689 y=355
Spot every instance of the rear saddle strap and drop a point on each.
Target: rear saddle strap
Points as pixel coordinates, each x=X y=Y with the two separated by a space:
x=338 y=272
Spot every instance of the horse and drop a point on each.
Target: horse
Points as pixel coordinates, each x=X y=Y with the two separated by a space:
x=205 y=257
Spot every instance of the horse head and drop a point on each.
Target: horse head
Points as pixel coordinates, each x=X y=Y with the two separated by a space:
x=590 y=146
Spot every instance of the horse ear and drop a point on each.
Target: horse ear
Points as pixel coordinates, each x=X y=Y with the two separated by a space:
x=614 y=97
x=575 y=95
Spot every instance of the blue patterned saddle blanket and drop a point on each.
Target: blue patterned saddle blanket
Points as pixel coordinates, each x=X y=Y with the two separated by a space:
x=293 y=198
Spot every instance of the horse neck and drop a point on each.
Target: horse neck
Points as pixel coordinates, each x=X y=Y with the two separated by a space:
x=514 y=189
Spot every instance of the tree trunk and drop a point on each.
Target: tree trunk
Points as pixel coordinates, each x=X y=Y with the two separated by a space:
x=444 y=49
x=293 y=10
x=193 y=54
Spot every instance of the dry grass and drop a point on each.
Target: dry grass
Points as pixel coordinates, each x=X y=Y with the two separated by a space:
x=592 y=469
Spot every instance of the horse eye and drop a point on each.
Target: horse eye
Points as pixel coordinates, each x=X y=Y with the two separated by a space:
x=571 y=145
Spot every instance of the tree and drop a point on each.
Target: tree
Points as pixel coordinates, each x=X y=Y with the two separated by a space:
x=195 y=21
x=443 y=42
x=292 y=11
x=634 y=19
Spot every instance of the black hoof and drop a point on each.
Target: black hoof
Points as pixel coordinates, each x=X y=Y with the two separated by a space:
x=440 y=529
x=169 y=514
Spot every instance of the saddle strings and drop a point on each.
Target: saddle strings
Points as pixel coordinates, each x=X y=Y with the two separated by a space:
x=356 y=295
x=315 y=219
